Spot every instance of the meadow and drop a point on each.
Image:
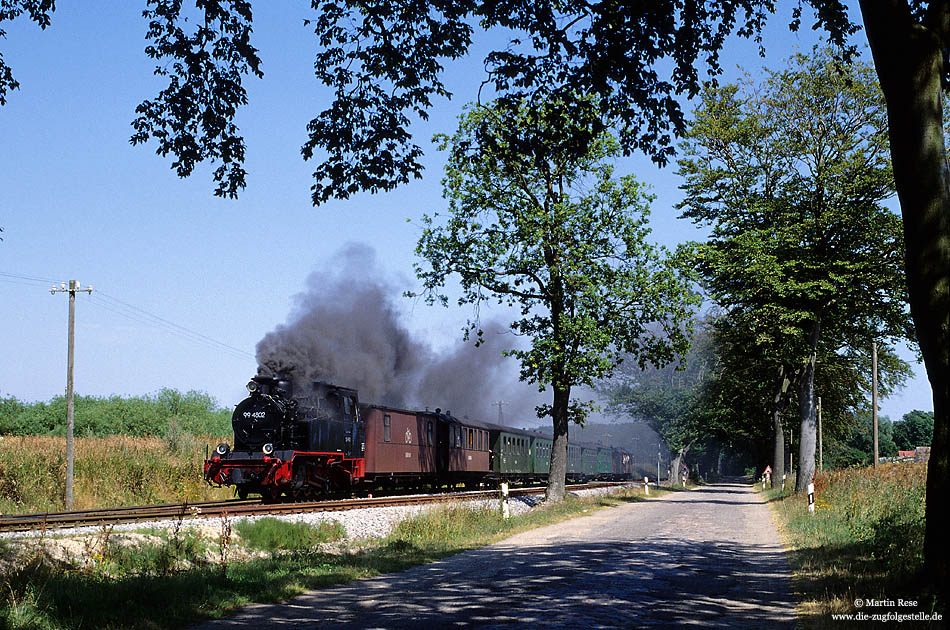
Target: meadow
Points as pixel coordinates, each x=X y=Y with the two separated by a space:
x=864 y=541
x=108 y=471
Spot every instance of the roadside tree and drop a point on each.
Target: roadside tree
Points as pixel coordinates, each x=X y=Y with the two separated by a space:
x=790 y=175
x=533 y=226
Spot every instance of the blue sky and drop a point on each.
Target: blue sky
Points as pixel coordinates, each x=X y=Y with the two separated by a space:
x=77 y=201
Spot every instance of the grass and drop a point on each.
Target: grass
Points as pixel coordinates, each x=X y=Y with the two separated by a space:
x=109 y=471
x=272 y=534
x=180 y=577
x=865 y=540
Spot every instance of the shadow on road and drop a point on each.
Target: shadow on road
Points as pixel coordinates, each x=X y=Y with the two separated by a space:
x=660 y=583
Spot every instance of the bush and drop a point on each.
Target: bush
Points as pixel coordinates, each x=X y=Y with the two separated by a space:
x=193 y=412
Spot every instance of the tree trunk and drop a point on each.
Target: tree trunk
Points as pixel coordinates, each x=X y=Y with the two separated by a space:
x=909 y=60
x=808 y=432
x=558 y=474
x=676 y=465
x=778 y=441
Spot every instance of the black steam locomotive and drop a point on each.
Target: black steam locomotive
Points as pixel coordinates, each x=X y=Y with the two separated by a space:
x=302 y=444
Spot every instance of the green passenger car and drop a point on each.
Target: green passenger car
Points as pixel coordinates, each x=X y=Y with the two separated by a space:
x=540 y=455
x=575 y=462
x=510 y=454
x=589 y=459
x=605 y=463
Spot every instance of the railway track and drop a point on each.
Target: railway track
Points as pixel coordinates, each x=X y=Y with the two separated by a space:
x=238 y=507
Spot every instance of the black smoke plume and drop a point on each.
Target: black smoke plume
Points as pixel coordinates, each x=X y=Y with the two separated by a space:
x=345 y=329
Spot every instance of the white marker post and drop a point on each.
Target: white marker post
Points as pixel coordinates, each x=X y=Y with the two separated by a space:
x=646 y=486
x=811 y=498
x=783 y=482
x=505 y=509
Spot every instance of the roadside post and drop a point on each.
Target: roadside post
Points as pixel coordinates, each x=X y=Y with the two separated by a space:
x=811 y=498
x=646 y=486
x=783 y=481
x=505 y=509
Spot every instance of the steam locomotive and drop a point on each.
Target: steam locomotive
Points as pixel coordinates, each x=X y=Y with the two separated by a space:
x=308 y=444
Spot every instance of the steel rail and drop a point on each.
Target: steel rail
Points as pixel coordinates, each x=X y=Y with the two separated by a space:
x=237 y=507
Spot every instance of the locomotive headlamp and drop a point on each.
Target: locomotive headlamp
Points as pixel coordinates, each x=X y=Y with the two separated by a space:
x=268 y=449
x=222 y=449
x=252 y=386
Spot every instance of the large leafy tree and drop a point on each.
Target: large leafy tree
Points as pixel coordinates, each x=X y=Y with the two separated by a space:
x=531 y=225
x=914 y=429
x=790 y=174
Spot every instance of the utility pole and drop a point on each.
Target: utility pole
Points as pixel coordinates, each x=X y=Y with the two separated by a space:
x=791 y=449
x=72 y=290
x=501 y=416
x=874 y=396
x=821 y=467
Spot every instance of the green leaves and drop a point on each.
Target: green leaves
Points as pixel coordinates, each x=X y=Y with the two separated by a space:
x=532 y=226
x=193 y=118
x=790 y=175
x=384 y=63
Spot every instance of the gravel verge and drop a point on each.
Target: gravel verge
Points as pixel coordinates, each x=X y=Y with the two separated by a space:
x=360 y=523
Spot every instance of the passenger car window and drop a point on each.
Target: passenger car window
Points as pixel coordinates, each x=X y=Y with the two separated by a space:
x=387 y=428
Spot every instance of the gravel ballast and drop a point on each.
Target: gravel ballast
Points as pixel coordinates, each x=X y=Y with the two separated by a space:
x=360 y=523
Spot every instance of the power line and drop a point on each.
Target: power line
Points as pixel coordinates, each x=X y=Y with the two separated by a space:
x=134 y=313
x=72 y=290
x=25 y=279
x=141 y=315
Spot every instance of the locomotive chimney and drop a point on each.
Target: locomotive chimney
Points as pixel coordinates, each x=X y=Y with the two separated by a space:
x=285 y=386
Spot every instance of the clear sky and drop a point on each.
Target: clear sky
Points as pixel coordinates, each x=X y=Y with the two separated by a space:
x=186 y=284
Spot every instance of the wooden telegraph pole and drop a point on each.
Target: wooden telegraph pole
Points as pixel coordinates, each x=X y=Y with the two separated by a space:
x=821 y=466
x=72 y=290
x=874 y=396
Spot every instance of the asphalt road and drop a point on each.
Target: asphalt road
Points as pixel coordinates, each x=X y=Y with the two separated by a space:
x=707 y=558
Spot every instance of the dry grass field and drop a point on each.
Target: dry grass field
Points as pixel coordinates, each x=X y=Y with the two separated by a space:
x=109 y=471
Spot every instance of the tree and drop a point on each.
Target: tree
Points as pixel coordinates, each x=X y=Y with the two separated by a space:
x=532 y=226
x=667 y=397
x=914 y=429
x=790 y=174
x=856 y=446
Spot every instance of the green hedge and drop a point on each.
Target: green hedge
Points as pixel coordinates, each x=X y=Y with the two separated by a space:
x=168 y=410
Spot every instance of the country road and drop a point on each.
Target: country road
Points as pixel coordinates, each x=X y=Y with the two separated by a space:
x=708 y=557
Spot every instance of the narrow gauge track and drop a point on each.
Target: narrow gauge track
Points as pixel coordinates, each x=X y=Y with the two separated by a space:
x=237 y=507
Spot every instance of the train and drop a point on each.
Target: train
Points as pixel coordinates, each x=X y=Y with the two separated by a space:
x=319 y=440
